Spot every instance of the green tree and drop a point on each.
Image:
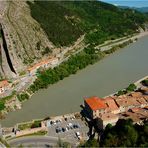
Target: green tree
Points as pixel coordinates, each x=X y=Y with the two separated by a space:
x=90 y=143
x=2 y=105
x=131 y=87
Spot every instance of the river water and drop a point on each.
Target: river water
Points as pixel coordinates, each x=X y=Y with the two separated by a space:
x=105 y=77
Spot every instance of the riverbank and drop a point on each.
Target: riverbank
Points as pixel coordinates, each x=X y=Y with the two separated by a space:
x=71 y=90
x=89 y=55
x=76 y=114
x=109 y=44
x=136 y=83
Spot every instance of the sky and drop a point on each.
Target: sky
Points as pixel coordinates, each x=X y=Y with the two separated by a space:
x=131 y=3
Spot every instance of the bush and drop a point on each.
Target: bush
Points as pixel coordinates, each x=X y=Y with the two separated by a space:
x=120 y=92
x=2 y=105
x=145 y=82
x=36 y=124
x=131 y=87
x=23 y=96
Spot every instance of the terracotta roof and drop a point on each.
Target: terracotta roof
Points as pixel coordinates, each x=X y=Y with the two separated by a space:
x=4 y=83
x=95 y=103
x=108 y=116
x=141 y=100
x=135 y=109
x=146 y=107
x=136 y=94
x=111 y=104
x=136 y=116
x=146 y=98
x=127 y=101
x=41 y=63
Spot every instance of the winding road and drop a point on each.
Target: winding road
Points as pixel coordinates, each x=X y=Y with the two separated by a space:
x=36 y=141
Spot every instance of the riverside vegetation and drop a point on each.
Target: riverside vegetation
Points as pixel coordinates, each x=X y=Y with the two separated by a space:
x=71 y=66
x=88 y=56
x=46 y=77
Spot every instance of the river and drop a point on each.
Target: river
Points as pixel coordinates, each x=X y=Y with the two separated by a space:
x=109 y=75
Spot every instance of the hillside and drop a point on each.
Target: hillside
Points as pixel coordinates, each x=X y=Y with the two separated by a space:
x=35 y=30
x=71 y=19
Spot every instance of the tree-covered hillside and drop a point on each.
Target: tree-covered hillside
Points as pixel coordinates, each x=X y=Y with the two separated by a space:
x=65 y=21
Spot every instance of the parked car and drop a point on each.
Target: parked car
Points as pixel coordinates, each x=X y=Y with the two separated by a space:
x=66 y=129
x=78 y=135
x=58 y=121
x=58 y=129
x=75 y=126
x=72 y=118
x=63 y=129
x=70 y=124
x=48 y=123
x=52 y=122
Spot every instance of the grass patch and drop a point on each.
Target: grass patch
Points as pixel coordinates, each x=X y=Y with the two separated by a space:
x=24 y=126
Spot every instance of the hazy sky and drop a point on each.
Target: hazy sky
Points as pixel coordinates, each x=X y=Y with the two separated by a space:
x=131 y=3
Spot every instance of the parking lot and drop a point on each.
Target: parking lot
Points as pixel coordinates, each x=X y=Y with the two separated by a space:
x=71 y=129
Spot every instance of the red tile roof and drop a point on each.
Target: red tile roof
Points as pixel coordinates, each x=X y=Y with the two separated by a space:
x=126 y=101
x=95 y=103
x=109 y=116
x=111 y=104
x=4 y=83
x=136 y=94
x=135 y=109
x=41 y=64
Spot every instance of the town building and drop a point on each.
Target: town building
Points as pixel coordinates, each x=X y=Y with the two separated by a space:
x=125 y=103
x=136 y=94
x=145 y=90
x=4 y=85
x=43 y=64
x=110 y=109
x=138 y=115
x=94 y=107
x=107 y=118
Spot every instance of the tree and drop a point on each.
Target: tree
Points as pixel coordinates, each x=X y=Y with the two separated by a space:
x=120 y=92
x=23 y=96
x=2 y=105
x=36 y=124
x=145 y=82
x=90 y=143
x=47 y=50
x=131 y=87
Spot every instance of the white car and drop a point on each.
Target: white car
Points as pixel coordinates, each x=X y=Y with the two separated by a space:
x=70 y=124
x=78 y=135
x=66 y=129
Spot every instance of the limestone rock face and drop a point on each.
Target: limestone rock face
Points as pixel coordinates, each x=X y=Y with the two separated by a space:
x=25 y=39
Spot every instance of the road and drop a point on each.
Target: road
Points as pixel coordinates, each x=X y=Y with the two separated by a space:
x=109 y=44
x=26 y=80
x=36 y=141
